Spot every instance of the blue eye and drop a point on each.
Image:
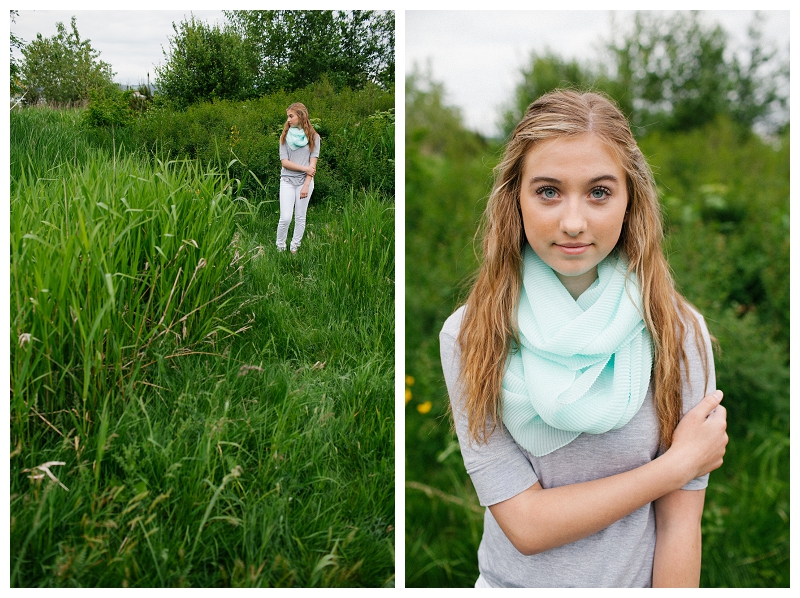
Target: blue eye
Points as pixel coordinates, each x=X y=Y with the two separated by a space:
x=548 y=193
x=600 y=193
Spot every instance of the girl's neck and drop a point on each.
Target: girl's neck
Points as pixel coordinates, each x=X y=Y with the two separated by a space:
x=576 y=285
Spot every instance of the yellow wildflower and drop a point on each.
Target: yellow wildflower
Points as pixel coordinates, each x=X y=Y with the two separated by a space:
x=424 y=407
x=408 y=395
x=409 y=380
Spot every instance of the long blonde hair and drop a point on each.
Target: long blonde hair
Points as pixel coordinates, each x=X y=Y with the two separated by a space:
x=489 y=326
x=305 y=124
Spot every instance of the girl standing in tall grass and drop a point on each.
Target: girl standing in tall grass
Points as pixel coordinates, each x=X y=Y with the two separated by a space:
x=299 y=151
x=577 y=372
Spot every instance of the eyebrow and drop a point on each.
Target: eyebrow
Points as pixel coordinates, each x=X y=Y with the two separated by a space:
x=597 y=179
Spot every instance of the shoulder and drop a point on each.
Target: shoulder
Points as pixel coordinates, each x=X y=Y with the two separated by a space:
x=695 y=331
x=701 y=322
x=698 y=372
x=448 y=341
x=452 y=325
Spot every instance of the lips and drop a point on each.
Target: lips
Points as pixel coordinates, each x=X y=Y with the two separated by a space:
x=573 y=248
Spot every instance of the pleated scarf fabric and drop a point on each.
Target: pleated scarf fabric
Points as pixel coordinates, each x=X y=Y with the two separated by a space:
x=582 y=365
x=296 y=138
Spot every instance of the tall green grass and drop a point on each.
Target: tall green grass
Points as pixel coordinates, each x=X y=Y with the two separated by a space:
x=42 y=140
x=212 y=413
x=113 y=265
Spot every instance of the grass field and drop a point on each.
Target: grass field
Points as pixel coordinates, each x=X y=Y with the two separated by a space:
x=189 y=407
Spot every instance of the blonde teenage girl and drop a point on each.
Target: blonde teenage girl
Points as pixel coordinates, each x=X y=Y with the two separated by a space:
x=299 y=151
x=581 y=382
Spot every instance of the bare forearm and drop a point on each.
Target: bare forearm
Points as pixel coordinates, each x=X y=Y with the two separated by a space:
x=542 y=519
x=537 y=520
x=289 y=165
x=676 y=563
x=310 y=177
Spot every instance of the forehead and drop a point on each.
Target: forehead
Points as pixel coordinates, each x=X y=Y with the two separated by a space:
x=574 y=154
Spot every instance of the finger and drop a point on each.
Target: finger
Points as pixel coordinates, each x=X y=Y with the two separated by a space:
x=709 y=402
x=720 y=413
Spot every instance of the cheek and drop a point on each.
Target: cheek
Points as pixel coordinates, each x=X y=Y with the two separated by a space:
x=536 y=224
x=615 y=227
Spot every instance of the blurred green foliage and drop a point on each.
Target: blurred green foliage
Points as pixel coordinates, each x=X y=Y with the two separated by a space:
x=671 y=73
x=725 y=195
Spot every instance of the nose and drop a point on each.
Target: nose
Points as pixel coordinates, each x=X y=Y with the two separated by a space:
x=573 y=220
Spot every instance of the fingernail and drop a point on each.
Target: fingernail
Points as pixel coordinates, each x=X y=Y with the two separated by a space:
x=718 y=394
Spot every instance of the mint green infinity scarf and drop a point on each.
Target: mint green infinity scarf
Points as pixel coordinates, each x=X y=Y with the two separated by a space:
x=583 y=365
x=296 y=138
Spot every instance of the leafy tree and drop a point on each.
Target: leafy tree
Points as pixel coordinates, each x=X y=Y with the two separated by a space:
x=680 y=73
x=547 y=72
x=761 y=84
x=367 y=47
x=15 y=69
x=205 y=63
x=294 y=48
x=64 y=68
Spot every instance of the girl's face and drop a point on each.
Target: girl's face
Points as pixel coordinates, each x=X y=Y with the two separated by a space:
x=573 y=201
x=292 y=118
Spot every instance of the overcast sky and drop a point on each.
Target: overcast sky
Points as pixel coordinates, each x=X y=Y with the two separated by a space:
x=130 y=41
x=477 y=55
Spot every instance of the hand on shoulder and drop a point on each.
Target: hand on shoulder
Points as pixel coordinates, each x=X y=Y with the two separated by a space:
x=699 y=442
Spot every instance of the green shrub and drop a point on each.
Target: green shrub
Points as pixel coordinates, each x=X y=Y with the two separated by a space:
x=108 y=107
x=356 y=130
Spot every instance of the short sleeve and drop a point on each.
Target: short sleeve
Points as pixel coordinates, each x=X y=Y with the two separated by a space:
x=498 y=468
x=695 y=385
x=315 y=152
x=284 y=151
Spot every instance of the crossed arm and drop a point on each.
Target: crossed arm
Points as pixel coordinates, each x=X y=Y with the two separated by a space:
x=540 y=519
x=676 y=563
x=310 y=171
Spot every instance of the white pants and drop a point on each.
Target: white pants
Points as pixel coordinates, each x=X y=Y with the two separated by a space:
x=292 y=202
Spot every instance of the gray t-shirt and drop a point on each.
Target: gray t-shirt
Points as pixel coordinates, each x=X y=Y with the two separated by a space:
x=620 y=555
x=301 y=156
